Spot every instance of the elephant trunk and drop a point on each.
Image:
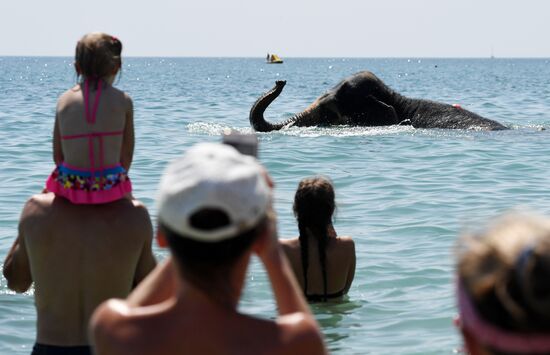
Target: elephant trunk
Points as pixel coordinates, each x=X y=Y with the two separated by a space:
x=257 y=119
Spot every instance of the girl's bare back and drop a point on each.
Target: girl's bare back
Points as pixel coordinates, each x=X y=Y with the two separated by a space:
x=114 y=110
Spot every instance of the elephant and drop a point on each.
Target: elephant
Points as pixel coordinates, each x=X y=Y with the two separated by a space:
x=364 y=100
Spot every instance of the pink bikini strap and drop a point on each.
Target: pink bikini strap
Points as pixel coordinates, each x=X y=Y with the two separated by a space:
x=90 y=117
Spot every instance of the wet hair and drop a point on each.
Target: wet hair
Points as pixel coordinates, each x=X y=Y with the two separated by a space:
x=207 y=265
x=313 y=207
x=505 y=271
x=98 y=55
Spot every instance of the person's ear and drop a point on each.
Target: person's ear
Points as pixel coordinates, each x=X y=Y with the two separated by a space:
x=161 y=239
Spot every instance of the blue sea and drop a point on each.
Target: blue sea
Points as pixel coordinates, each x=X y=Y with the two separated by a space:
x=403 y=194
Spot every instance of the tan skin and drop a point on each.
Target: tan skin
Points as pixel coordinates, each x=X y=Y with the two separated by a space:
x=167 y=315
x=114 y=113
x=340 y=263
x=76 y=262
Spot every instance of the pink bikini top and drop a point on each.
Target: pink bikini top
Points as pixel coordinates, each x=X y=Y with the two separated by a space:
x=90 y=118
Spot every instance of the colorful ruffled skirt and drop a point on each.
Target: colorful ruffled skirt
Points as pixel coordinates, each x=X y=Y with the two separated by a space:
x=86 y=187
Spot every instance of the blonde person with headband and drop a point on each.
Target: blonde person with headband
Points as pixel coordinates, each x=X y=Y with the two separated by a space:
x=503 y=287
x=214 y=213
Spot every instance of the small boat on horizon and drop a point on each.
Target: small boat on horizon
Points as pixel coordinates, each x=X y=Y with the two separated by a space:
x=273 y=59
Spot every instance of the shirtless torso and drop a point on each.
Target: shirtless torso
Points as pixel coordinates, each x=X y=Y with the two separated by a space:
x=77 y=256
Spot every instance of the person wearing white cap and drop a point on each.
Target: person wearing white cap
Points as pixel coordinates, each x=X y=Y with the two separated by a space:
x=214 y=212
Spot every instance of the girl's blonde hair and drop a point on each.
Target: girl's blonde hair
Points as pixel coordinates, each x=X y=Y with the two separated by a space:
x=98 y=55
x=505 y=271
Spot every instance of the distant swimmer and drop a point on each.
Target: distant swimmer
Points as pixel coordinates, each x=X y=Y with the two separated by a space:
x=323 y=262
x=93 y=140
x=215 y=212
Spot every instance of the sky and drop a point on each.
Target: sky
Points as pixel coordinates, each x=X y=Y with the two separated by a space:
x=290 y=28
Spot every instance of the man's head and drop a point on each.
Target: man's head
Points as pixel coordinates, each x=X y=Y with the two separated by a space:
x=212 y=204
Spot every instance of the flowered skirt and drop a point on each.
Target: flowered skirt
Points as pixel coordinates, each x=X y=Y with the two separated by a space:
x=86 y=187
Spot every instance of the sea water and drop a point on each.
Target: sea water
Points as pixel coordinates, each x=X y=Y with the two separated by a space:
x=403 y=194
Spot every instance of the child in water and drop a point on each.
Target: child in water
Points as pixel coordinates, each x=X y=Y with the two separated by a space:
x=93 y=138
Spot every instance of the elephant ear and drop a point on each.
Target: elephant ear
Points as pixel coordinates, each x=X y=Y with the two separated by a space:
x=380 y=113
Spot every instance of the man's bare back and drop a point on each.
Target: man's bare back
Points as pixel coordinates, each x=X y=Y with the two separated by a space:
x=77 y=256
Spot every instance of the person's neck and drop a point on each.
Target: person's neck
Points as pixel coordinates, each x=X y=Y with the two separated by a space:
x=190 y=294
x=331 y=233
x=109 y=80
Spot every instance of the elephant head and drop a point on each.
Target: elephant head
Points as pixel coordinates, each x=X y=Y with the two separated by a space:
x=332 y=108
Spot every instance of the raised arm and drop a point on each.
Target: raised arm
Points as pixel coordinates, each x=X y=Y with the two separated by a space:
x=296 y=323
x=160 y=285
x=287 y=292
x=128 y=138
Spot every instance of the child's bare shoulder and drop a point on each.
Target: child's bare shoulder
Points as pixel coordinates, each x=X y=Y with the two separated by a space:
x=121 y=96
x=68 y=97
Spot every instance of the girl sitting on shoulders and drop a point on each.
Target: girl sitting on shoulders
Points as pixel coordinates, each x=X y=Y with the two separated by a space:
x=93 y=139
x=323 y=262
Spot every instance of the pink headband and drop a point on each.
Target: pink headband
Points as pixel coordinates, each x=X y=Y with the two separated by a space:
x=495 y=337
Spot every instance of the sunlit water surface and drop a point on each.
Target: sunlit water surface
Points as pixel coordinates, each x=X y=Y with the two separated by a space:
x=403 y=194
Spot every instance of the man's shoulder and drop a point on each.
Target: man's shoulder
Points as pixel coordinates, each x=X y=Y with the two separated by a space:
x=38 y=205
x=107 y=323
x=135 y=208
x=295 y=333
x=109 y=314
x=300 y=334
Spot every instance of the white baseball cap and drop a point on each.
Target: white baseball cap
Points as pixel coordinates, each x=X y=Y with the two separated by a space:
x=213 y=176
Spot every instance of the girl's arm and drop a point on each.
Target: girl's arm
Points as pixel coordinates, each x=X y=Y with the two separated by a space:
x=57 y=150
x=127 y=152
